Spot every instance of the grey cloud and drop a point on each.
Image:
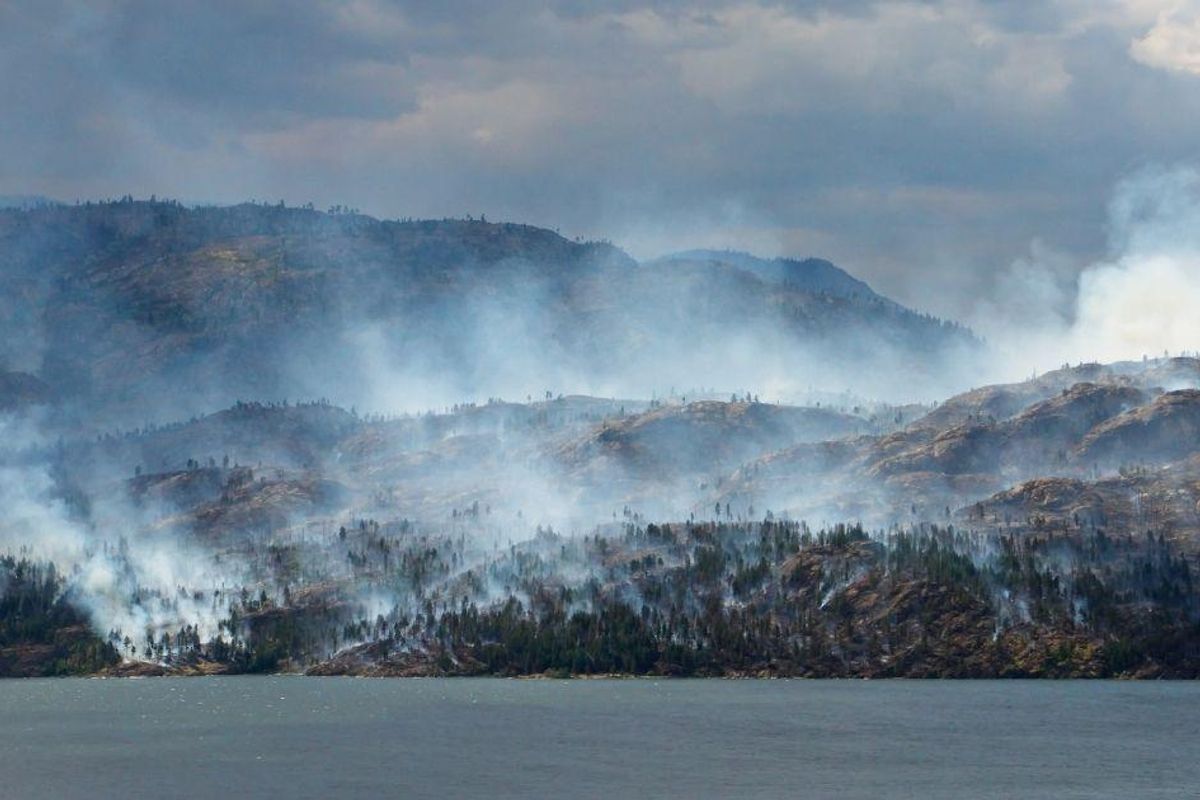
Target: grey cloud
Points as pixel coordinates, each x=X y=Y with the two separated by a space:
x=920 y=144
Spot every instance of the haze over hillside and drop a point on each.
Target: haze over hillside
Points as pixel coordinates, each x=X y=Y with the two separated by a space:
x=137 y=310
x=798 y=339
x=257 y=438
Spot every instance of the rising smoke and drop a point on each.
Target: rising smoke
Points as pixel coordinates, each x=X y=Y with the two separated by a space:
x=131 y=569
x=1141 y=300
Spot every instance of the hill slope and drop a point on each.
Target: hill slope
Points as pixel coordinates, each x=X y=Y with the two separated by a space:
x=515 y=538
x=136 y=307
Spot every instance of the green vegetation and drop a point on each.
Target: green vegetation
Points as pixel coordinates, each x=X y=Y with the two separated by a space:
x=702 y=599
x=774 y=598
x=41 y=634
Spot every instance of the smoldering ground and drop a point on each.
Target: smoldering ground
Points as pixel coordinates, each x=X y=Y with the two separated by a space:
x=502 y=328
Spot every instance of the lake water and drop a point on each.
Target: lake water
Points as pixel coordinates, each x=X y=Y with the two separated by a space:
x=337 y=737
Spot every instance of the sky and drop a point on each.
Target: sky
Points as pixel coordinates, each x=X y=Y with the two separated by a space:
x=927 y=147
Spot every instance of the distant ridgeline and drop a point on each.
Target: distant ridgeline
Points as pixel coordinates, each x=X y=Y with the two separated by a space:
x=134 y=307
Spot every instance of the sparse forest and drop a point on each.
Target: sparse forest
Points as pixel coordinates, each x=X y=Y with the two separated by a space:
x=687 y=599
x=189 y=485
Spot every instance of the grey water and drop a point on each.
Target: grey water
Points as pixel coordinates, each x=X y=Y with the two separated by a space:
x=295 y=737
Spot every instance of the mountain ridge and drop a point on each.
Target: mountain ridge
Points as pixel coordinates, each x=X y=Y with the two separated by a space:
x=109 y=303
x=811 y=274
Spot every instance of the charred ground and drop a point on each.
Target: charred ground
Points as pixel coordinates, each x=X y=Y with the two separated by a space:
x=1002 y=542
x=1044 y=528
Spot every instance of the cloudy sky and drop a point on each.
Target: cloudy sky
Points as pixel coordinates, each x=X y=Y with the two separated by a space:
x=925 y=146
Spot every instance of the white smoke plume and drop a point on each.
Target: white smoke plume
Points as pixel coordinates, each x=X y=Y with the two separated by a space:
x=1141 y=300
x=128 y=579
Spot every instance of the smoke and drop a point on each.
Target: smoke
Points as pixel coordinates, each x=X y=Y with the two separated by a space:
x=34 y=518
x=1146 y=300
x=128 y=574
x=517 y=330
x=1141 y=300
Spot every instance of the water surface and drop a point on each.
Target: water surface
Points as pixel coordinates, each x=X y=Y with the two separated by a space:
x=417 y=738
